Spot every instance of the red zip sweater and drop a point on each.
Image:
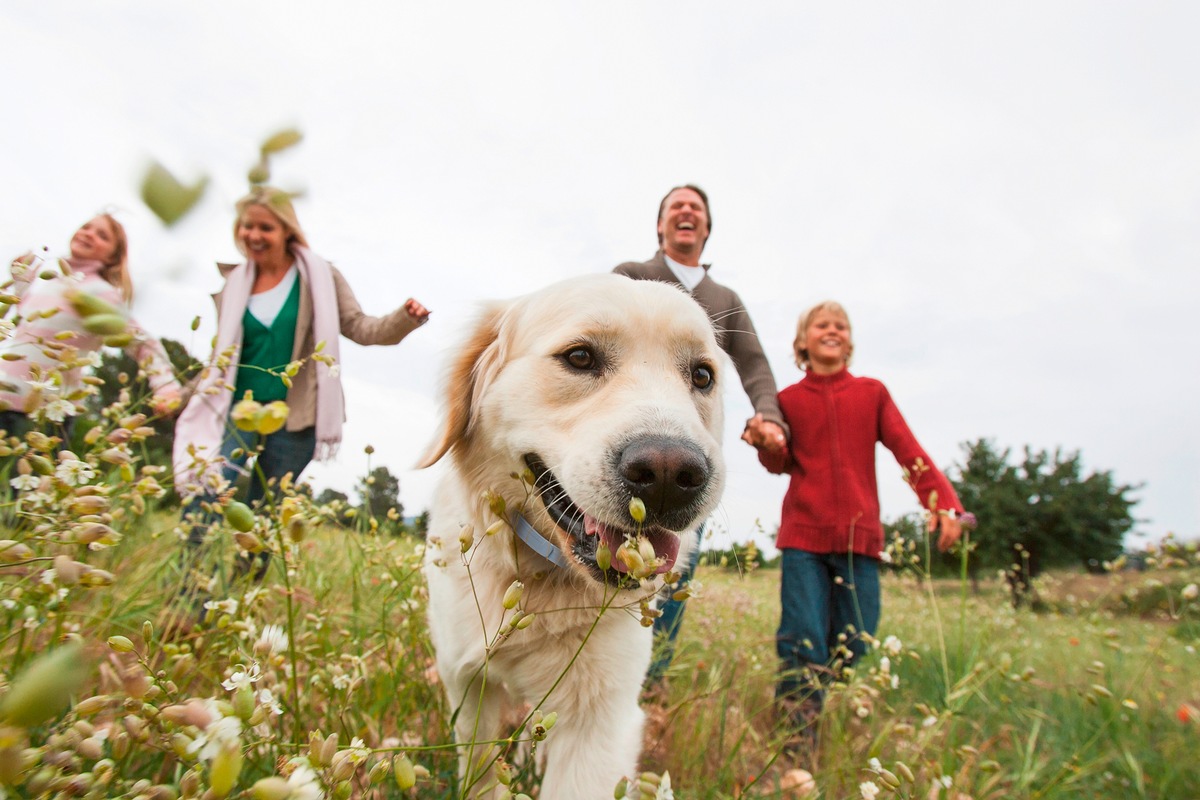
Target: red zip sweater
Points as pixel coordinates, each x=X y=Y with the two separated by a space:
x=832 y=502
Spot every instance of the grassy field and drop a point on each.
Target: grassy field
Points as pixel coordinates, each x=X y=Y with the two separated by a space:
x=318 y=682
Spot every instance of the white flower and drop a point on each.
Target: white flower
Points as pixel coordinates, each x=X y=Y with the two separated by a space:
x=304 y=783
x=48 y=576
x=272 y=639
x=358 y=750
x=242 y=676
x=335 y=370
x=1191 y=591
x=74 y=473
x=224 y=732
x=228 y=605
x=875 y=764
x=929 y=721
x=341 y=681
x=58 y=410
x=892 y=646
x=664 y=788
x=267 y=700
x=24 y=483
x=868 y=790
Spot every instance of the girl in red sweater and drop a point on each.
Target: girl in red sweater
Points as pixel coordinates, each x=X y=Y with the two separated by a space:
x=830 y=534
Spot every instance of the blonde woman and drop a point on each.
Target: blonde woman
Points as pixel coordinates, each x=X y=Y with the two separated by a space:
x=275 y=308
x=50 y=341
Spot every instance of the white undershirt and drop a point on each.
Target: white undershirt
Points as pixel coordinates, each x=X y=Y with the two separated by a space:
x=265 y=306
x=687 y=275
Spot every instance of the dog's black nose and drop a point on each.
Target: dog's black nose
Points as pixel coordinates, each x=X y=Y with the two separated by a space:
x=667 y=474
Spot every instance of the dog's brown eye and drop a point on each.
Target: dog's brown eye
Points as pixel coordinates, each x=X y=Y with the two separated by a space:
x=581 y=358
x=702 y=376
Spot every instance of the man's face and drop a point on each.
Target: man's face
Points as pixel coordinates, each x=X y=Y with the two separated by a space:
x=683 y=224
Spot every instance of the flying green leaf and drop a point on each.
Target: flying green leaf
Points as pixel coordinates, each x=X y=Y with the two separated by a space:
x=166 y=196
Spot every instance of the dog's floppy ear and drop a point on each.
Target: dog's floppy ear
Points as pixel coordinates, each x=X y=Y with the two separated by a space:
x=469 y=373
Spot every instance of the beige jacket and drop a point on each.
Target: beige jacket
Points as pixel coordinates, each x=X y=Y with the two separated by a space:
x=356 y=325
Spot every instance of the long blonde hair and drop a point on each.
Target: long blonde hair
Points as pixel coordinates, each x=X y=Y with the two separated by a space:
x=279 y=203
x=116 y=268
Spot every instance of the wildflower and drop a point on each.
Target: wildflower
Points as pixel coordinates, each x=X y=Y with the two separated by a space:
x=272 y=640
x=342 y=681
x=266 y=699
x=358 y=750
x=868 y=790
x=892 y=646
x=1191 y=591
x=242 y=677
x=24 y=483
x=304 y=783
x=222 y=733
x=58 y=410
x=74 y=472
x=228 y=605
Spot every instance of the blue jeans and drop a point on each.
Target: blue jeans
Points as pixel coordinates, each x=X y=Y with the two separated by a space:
x=282 y=452
x=816 y=608
x=666 y=627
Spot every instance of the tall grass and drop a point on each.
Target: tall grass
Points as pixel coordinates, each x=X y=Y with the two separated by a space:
x=964 y=697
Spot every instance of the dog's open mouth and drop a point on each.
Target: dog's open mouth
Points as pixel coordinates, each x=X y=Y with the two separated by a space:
x=586 y=533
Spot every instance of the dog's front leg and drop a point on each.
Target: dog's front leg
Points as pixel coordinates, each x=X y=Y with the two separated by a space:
x=589 y=750
x=480 y=708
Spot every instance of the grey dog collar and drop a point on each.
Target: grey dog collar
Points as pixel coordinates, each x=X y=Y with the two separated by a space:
x=538 y=543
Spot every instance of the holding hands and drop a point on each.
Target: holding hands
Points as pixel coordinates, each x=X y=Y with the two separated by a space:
x=765 y=435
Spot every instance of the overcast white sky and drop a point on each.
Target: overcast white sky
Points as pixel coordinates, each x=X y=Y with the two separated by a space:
x=1005 y=196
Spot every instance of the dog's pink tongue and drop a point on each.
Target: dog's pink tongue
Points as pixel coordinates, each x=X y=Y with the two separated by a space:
x=665 y=543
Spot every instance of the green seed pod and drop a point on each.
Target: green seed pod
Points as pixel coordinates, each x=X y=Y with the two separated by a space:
x=282 y=140
x=243 y=702
x=406 y=775
x=41 y=465
x=118 y=339
x=105 y=324
x=603 y=557
x=120 y=644
x=239 y=516
x=12 y=551
x=45 y=686
x=225 y=769
x=379 y=772
x=512 y=595
x=637 y=510
x=88 y=305
x=273 y=788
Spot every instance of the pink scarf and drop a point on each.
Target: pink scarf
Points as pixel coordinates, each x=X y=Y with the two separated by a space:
x=200 y=428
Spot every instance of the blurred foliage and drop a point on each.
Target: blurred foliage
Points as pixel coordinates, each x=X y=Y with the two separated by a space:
x=1040 y=512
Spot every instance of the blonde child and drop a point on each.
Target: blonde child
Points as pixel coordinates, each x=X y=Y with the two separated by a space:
x=830 y=535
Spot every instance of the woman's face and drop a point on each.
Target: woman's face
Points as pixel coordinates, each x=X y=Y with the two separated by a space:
x=262 y=235
x=95 y=241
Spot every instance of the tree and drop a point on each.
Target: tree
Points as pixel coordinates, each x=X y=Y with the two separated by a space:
x=378 y=493
x=1041 y=513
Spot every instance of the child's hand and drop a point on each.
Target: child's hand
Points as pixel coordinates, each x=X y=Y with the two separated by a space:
x=951 y=529
x=764 y=435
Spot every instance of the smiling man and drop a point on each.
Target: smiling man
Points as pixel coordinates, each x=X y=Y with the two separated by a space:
x=684 y=223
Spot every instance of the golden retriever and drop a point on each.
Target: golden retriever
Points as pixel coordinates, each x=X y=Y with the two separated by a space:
x=572 y=412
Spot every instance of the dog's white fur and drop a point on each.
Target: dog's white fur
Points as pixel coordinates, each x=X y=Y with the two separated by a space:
x=521 y=385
